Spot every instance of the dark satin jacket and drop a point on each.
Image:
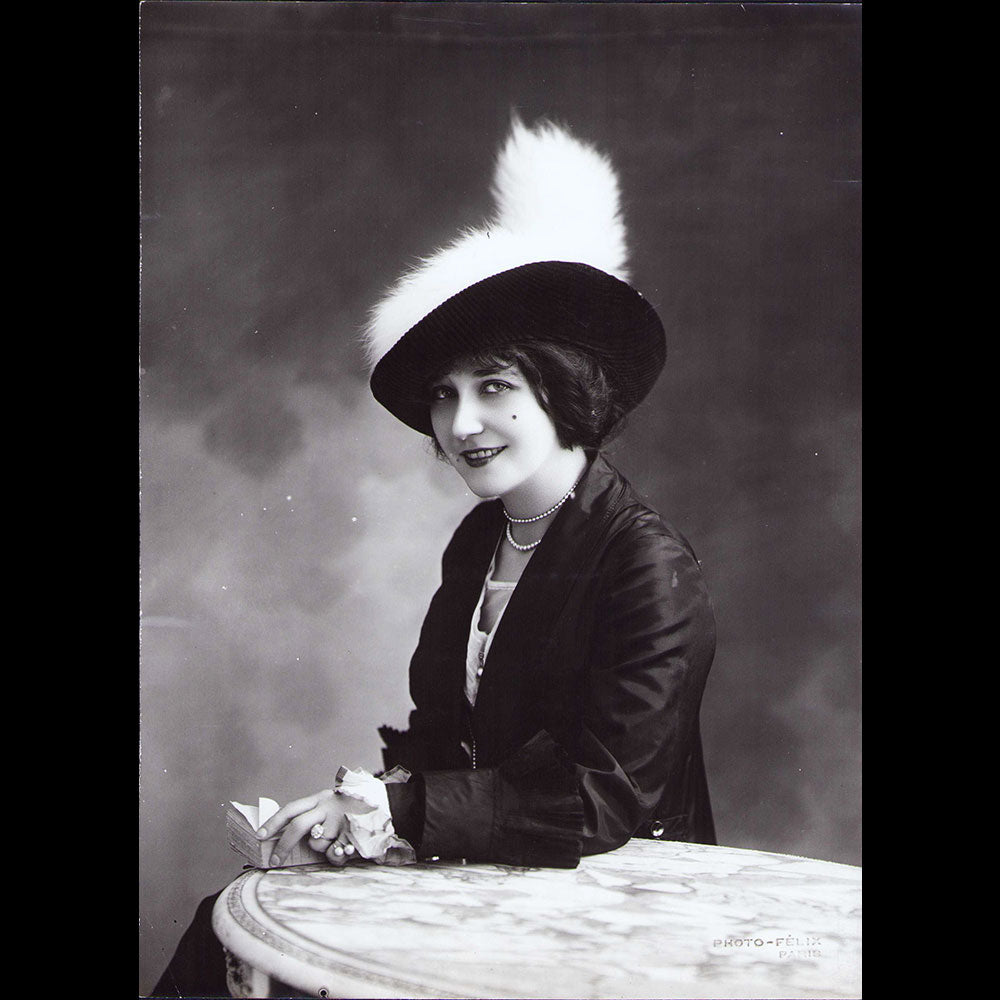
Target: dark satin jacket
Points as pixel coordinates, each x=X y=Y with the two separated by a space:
x=585 y=725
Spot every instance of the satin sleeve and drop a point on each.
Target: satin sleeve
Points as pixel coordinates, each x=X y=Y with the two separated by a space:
x=654 y=642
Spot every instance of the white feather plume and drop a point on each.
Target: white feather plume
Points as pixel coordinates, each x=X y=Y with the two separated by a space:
x=556 y=198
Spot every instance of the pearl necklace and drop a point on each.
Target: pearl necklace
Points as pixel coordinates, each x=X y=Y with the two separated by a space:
x=570 y=493
x=538 y=517
x=522 y=548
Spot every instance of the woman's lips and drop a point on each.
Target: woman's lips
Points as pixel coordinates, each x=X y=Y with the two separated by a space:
x=478 y=457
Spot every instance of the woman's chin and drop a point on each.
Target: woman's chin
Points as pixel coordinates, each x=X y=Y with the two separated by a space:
x=483 y=482
x=483 y=487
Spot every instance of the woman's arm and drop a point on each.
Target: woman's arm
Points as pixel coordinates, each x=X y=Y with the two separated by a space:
x=654 y=645
x=589 y=788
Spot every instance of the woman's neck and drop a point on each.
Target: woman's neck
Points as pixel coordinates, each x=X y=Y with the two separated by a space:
x=548 y=486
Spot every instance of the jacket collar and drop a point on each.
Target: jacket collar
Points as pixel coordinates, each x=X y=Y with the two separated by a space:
x=561 y=560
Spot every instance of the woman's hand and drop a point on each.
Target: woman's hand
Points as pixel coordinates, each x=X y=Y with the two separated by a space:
x=321 y=817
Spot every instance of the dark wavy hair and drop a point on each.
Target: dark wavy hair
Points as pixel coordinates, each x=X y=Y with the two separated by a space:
x=569 y=384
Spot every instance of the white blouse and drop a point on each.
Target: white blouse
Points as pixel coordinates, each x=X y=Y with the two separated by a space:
x=479 y=641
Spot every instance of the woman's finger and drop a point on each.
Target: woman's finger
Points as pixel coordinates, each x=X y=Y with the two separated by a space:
x=295 y=830
x=336 y=855
x=288 y=812
x=321 y=844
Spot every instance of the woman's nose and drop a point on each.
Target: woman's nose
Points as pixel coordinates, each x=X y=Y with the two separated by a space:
x=466 y=420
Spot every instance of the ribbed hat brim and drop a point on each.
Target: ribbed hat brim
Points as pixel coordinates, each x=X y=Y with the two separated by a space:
x=554 y=301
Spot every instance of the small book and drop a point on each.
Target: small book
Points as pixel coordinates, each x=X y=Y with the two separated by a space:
x=242 y=823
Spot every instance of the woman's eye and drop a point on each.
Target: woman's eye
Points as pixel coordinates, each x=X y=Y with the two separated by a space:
x=495 y=387
x=440 y=392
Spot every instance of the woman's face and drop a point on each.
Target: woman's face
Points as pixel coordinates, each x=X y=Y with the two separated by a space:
x=493 y=430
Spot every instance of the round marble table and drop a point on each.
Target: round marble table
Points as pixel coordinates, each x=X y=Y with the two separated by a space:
x=652 y=919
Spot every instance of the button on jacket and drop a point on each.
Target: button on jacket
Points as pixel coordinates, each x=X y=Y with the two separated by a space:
x=585 y=730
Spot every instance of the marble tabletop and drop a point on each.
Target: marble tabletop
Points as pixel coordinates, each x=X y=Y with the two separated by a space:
x=651 y=919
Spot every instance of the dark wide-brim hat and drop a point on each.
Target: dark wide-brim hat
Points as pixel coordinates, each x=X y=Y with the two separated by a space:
x=561 y=302
x=550 y=266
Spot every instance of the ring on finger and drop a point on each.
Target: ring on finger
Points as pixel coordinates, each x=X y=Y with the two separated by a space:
x=316 y=832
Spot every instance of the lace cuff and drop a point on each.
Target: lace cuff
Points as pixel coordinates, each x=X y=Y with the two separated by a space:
x=369 y=819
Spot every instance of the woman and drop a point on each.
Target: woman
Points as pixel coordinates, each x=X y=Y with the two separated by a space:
x=561 y=664
x=560 y=668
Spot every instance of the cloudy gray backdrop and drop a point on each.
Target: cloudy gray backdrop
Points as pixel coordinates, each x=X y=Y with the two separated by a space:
x=294 y=158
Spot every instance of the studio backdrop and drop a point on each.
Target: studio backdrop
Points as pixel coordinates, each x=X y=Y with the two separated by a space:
x=294 y=159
